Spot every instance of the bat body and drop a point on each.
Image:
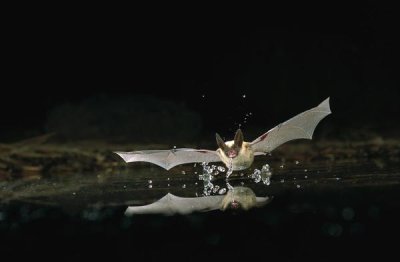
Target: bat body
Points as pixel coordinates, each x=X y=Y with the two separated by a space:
x=237 y=154
x=238 y=198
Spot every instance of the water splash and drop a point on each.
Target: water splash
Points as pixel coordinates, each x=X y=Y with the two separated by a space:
x=229 y=186
x=266 y=174
x=263 y=175
x=256 y=175
x=215 y=189
x=221 y=169
x=230 y=168
x=222 y=191
x=207 y=177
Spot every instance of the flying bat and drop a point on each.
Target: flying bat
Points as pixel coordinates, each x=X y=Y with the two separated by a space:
x=237 y=198
x=237 y=154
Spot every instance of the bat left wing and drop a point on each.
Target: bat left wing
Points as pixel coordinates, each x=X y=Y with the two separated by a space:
x=171 y=204
x=298 y=127
x=167 y=159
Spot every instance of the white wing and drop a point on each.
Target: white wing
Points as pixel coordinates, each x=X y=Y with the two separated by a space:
x=298 y=127
x=169 y=158
x=171 y=204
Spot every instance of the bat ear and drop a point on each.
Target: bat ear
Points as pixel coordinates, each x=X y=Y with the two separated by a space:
x=238 y=138
x=220 y=141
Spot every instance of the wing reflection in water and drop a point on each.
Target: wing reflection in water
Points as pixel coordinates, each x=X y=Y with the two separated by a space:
x=237 y=198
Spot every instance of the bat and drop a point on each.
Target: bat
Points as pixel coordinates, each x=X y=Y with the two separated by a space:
x=237 y=198
x=237 y=154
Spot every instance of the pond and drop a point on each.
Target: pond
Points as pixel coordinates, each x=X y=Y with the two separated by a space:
x=318 y=210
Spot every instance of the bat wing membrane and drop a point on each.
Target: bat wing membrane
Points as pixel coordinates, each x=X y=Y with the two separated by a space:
x=298 y=127
x=167 y=159
x=171 y=204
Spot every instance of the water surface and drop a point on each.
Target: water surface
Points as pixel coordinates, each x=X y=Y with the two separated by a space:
x=320 y=211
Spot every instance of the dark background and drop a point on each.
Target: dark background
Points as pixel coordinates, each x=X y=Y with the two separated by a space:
x=149 y=75
x=284 y=61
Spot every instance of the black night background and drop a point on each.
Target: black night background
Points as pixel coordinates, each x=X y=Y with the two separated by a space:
x=170 y=80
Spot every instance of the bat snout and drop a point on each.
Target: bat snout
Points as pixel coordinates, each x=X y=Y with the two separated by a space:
x=232 y=153
x=234 y=205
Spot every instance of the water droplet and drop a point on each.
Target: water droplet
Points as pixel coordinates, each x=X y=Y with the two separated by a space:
x=256 y=175
x=150 y=181
x=297 y=162
x=281 y=166
x=124 y=186
x=244 y=95
x=305 y=170
x=174 y=147
x=215 y=189
x=150 y=186
x=298 y=186
x=222 y=191
x=168 y=185
x=230 y=168
x=196 y=183
x=195 y=164
x=265 y=167
x=183 y=186
x=168 y=178
x=305 y=177
x=183 y=172
x=282 y=180
x=267 y=181
x=203 y=95
x=221 y=169
x=74 y=193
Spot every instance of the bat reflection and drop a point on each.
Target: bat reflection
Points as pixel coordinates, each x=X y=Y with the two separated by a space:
x=237 y=198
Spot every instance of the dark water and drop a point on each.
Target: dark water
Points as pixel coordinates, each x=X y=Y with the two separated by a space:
x=320 y=211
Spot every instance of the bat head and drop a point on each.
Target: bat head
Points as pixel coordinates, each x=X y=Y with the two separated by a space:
x=231 y=151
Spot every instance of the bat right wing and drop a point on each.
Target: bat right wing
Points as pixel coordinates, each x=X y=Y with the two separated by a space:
x=169 y=158
x=298 y=127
